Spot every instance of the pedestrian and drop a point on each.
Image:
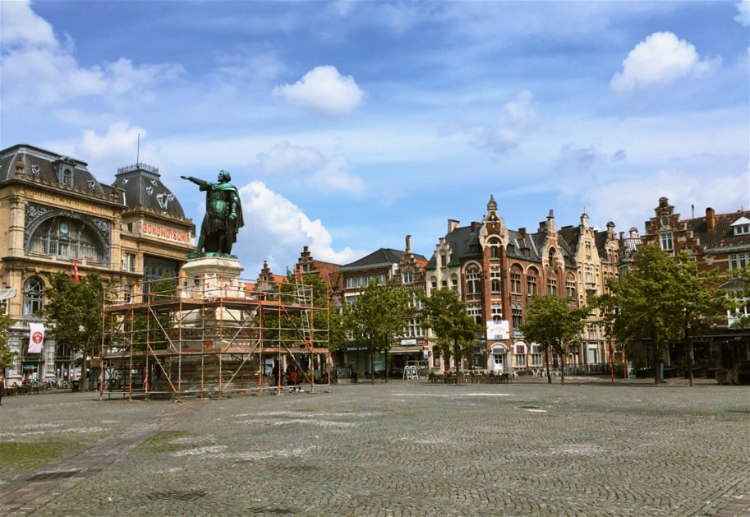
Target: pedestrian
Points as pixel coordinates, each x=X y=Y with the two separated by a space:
x=2 y=389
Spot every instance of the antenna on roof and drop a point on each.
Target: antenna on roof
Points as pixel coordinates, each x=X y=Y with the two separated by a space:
x=138 y=152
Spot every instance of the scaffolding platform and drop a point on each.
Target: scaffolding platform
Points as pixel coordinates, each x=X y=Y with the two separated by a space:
x=209 y=336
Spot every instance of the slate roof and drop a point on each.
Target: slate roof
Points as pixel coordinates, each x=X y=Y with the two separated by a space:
x=381 y=257
x=464 y=244
x=723 y=234
x=143 y=188
x=40 y=164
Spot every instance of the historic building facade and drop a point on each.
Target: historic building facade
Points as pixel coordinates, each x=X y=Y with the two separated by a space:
x=56 y=217
x=496 y=271
x=596 y=256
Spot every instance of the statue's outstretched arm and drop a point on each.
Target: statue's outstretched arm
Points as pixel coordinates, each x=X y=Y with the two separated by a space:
x=199 y=182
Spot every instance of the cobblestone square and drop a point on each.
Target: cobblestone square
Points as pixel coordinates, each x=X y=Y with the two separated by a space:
x=401 y=448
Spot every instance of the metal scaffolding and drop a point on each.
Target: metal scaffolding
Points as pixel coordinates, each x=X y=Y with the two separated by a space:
x=215 y=336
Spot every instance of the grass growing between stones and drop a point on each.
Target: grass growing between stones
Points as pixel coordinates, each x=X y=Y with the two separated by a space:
x=18 y=457
x=163 y=442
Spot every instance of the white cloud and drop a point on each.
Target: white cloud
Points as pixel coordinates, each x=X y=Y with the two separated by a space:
x=39 y=70
x=660 y=59
x=323 y=90
x=287 y=158
x=335 y=176
x=321 y=174
x=512 y=125
x=21 y=26
x=743 y=12
x=276 y=230
x=119 y=143
x=629 y=201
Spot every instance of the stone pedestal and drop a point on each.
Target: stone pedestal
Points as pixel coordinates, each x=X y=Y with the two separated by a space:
x=212 y=277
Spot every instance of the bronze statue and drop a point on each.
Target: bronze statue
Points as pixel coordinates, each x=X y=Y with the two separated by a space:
x=223 y=217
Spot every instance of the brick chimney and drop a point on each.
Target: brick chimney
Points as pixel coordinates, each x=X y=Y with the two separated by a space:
x=711 y=219
x=408 y=244
x=522 y=231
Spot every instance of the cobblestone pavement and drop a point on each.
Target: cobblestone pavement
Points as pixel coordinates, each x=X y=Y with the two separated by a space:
x=402 y=448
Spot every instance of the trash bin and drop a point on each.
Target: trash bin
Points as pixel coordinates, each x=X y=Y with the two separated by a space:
x=75 y=385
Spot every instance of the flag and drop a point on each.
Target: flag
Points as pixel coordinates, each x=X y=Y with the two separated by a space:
x=75 y=272
x=36 y=338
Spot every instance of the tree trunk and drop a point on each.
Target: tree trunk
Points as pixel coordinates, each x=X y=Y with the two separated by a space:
x=372 y=368
x=457 y=354
x=562 y=367
x=387 y=366
x=657 y=361
x=546 y=362
x=84 y=377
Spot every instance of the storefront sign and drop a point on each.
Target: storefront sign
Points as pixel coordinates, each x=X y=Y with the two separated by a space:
x=165 y=232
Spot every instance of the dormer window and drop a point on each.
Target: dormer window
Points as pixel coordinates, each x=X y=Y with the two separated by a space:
x=66 y=176
x=741 y=226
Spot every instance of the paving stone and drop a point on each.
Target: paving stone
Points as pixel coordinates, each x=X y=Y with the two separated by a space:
x=396 y=449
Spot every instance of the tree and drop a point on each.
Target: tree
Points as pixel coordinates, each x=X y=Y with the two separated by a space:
x=75 y=312
x=6 y=356
x=663 y=301
x=703 y=303
x=445 y=314
x=376 y=319
x=552 y=322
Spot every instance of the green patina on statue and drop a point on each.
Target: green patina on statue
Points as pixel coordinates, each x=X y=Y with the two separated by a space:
x=223 y=217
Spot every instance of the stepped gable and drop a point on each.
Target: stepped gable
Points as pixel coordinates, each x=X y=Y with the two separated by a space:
x=144 y=189
x=23 y=161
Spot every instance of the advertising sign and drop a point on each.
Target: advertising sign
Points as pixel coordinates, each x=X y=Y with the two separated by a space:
x=498 y=329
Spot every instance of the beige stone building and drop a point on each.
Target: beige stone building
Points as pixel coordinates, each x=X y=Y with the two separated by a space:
x=55 y=215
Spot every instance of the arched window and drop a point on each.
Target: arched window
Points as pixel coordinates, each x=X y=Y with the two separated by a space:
x=66 y=238
x=494 y=248
x=531 y=279
x=515 y=280
x=570 y=285
x=473 y=280
x=33 y=297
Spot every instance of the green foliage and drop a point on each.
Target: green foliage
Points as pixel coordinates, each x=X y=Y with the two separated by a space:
x=738 y=291
x=6 y=356
x=75 y=313
x=165 y=288
x=376 y=318
x=552 y=322
x=663 y=301
x=338 y=325
x=445 y=314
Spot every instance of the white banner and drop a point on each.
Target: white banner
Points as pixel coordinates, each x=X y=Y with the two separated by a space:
x=36 y=338
x=498 y=330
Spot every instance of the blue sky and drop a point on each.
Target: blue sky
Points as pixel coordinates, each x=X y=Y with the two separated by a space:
x=348 y=125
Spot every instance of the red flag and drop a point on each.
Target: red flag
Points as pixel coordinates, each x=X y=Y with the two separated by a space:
x=75 y=272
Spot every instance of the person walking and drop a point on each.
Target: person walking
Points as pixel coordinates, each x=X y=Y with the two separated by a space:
x=2 y=389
